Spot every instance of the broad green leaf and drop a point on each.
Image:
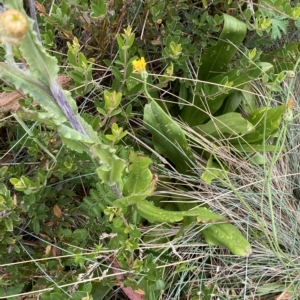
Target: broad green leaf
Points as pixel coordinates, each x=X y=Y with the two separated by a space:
x=213 y=171
x=112 y=166
x=156 y=214
x=228 y=236
x=250 y=148
x=168 y=137
x=266 y=121
x=30 y=86
x=231 y=123
x=140 y=182
x=204 y=107
x=72 y=138
x=248 y=103
x=232 y=102
x=39 y=81
x=217 y=57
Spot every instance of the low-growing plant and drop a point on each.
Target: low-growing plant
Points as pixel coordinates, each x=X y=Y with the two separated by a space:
x=83 y=249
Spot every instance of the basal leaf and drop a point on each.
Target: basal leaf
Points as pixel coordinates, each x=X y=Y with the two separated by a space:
x=202 y=108
x=217 y=57
x=231 y=123
x=168 y=137
x=256 y=147
x=44 y=65
x=24 y=81
x=229 y=236
x=266 y=121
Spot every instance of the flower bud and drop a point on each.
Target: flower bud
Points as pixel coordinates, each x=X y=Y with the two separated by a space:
x=13 y=26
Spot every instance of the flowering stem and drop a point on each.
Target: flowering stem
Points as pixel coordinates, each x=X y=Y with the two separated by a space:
x=9 y=58
x=146 y=90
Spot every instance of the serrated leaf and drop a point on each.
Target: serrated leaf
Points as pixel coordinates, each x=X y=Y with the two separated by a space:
x=24 y=81
x=44 y=65
x=140 y=181
x=112 y=166
x=279 y=24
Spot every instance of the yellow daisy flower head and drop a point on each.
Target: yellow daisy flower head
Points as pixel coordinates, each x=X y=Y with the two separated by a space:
x=13 y=26
x=139 y=65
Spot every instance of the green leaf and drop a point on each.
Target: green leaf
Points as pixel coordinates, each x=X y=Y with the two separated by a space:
x=279 y=24
x=36 y=226
x=140 y=182
x=72 y=138
x=25 y=82
x=231 y=123
x=40 y=80
x=118 y=75
x=99 y=9
x=9 y=224
x=120 y=41
x=168 y=137
x=213 y=171
x=217 y=57
x=266 y=121
x=204 y=107
x=3 y=170
x=80 y=234
x=40 y=62
x=232 y=102
x=248 y=103
x=74 y=145
x=155 y=214
x=250 y=148
x=112 y=166
x=228 y=236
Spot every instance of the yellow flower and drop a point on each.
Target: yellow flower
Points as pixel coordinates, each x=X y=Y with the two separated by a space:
x=139 y=65
x=13 y=26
